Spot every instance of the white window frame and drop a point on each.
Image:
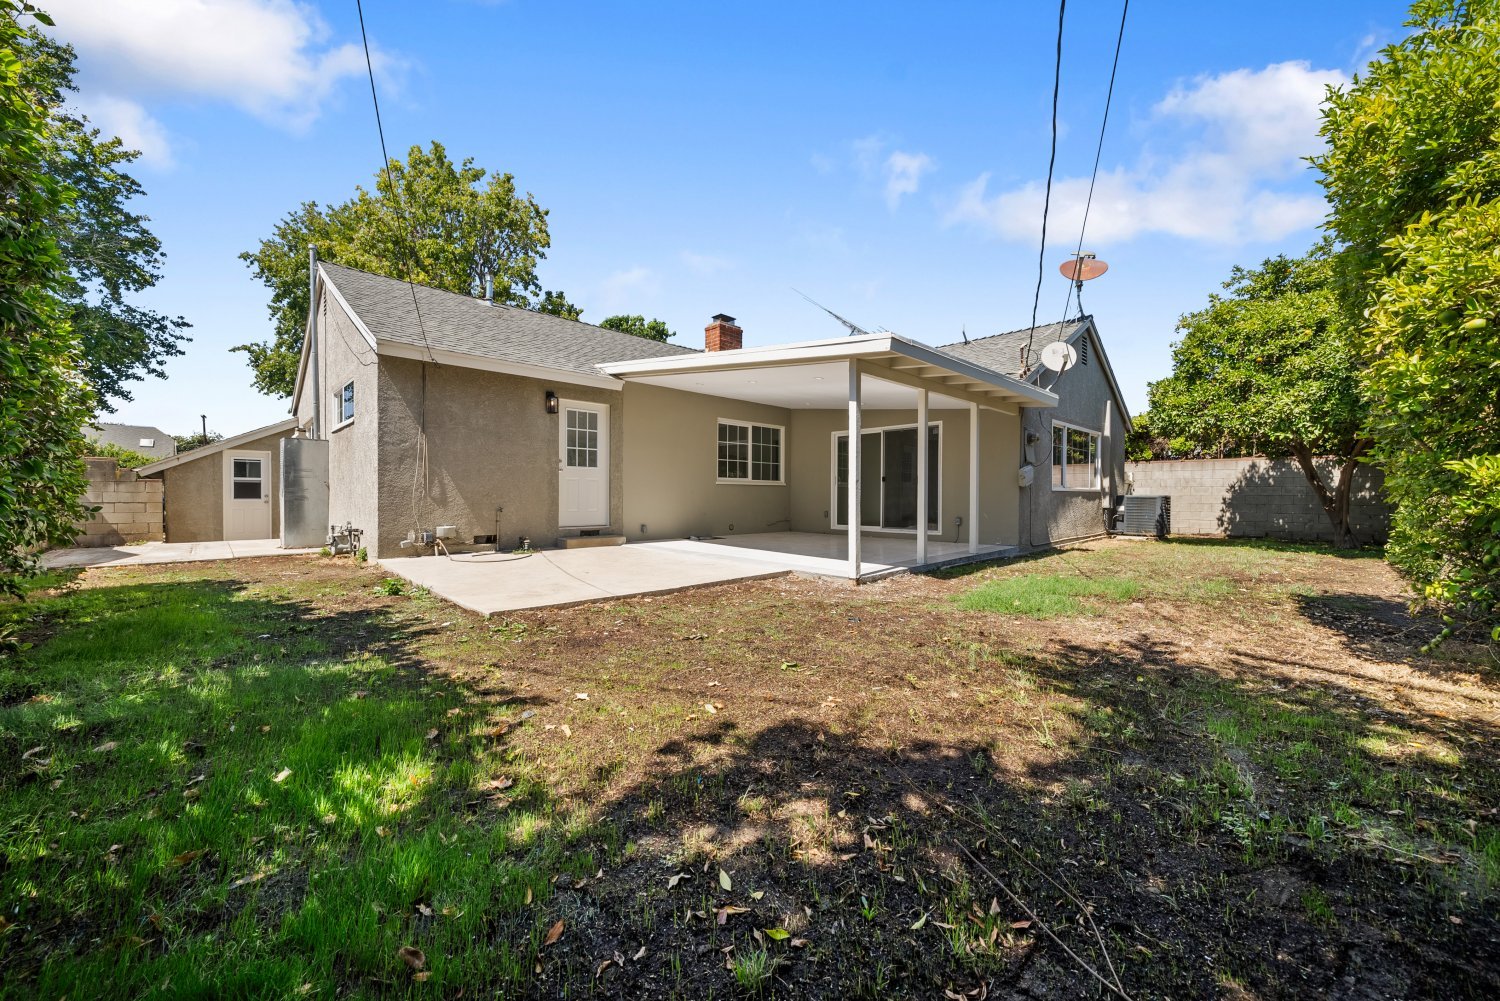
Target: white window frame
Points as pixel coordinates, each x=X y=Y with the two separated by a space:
x=338 y=403
x=1098 y=464
x=749 y=480
x=833 y=480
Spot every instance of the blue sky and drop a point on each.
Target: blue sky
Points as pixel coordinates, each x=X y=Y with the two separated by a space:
x=700 y=158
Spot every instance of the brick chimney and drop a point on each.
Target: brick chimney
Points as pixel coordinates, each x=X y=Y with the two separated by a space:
x=722 y=334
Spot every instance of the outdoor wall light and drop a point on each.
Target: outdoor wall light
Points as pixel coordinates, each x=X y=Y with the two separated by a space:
x=551 y=402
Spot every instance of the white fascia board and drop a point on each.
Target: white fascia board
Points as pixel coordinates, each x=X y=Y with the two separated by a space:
x=161 y=465
x=845 y=348
x=542 y=373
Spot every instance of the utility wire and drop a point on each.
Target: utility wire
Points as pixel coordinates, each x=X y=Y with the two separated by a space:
x=1041 y=260
x=1098 y=153
x=420 y=483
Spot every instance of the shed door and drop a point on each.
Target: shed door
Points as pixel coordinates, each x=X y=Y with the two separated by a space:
x=247 y=495
x=583 y=466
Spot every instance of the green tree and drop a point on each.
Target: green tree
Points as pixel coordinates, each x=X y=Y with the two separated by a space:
x=638 y=326
x=43 y=403
x=429 y=220
x=111 y=254
x=1270 y=366
x=557 y=304
x=188 y=442
x=1412 y=170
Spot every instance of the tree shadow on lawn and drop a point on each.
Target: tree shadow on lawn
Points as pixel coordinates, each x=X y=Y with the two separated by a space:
x=218 y=791
x=1191 y=811
x=1222 y=834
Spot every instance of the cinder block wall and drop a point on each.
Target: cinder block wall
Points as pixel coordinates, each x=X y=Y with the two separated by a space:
x=1259 y=498
x=130 y=508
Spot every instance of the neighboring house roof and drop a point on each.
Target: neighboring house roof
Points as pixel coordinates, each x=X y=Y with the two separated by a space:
x=142 y=438
x=1003 y=352
x=464 y=325
x=199 y=453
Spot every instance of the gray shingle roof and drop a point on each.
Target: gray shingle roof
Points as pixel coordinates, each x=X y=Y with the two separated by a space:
x=130 y=436
x=471 y=326
x=1002 y=352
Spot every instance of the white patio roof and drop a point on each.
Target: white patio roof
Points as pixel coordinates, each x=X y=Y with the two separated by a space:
x=815 y=375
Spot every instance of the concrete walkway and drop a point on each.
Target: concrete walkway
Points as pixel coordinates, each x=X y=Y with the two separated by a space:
x=500 y=582
x=165 y=552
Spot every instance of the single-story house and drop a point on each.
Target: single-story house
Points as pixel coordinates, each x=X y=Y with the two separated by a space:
x=457 y=418
x=230 y=489
x=140 y=438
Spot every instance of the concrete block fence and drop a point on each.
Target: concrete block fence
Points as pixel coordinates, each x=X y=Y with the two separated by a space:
x=1258 y=498
x=130 y=508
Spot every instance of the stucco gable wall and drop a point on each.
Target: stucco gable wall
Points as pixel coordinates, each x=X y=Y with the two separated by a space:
x=194 y=493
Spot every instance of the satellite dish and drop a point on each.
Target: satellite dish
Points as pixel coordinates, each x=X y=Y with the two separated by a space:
x=1059 y=355
x=1082 y=268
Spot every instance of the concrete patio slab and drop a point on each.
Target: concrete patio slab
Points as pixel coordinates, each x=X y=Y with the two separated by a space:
x=165 y=552
x=488 y=583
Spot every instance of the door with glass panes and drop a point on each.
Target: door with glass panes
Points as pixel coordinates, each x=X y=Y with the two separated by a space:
x=247 y=495
x=888 y=460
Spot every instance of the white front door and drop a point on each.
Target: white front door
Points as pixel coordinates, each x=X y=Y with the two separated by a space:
x=247 y=495
x=583 y=465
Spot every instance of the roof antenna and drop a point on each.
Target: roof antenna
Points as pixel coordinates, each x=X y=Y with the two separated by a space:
x=965 y=331
x=854 y=328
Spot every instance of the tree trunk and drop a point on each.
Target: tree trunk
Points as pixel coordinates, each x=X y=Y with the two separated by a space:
x=1335 y=502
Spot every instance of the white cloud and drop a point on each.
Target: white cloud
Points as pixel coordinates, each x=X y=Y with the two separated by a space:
x=1252 y=129
x=272 y=58
x=903 y=174
x=627 y=290
x=898 y=172
x=118 y=116
x=704 y=264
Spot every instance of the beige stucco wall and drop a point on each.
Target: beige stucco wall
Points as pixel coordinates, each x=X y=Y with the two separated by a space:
x=671 y=468
x=353 y=449
x=194 y=493
x=490 y=443
x=812 y=460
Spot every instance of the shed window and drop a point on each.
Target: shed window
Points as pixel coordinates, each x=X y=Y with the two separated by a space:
x=749 y=453
x=246 y=479
x=1075 y=458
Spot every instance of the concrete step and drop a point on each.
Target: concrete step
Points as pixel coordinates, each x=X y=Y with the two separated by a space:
x=589 y=541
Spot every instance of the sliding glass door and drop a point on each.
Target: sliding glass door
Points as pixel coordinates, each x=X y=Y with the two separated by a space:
x=888 y=459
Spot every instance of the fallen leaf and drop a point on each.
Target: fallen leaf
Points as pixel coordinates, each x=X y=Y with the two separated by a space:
x=672 y=881
x=432 y=734
x=920 y=921
x=708 y=707
x=247 y=880
x=994 y=905
x=360 y=694
x=528 y=896
x=725 y=881
x=640 y=955
x=282 y=776
x=456 y=711
x=106 y=747
x=602 y=967
x=1020 y=924
x=422 y=976
x=723 y=913
x=329 y=819
x=412 y=956
x=757 y=894
x=1455 y=919
x=799 y=943
x=384 y=832
x=553 y=934
x=186 y=857
x=582 y=696
x=567 y=731
x=779 y=934
x=424 y=910
x=192 y=793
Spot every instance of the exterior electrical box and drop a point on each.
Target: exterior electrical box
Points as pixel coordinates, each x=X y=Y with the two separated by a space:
x=1146 y=514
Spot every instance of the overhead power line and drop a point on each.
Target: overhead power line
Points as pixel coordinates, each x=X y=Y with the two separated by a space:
x=1098 y=153
x=1041 y=260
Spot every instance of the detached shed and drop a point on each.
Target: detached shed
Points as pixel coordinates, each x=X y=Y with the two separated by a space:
x=227 y=490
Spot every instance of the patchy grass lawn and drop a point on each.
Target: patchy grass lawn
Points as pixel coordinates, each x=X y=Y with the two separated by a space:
x=1204 y=769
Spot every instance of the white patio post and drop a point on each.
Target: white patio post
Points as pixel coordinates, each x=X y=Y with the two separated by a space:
x=973 y=477
x=921 y=477
x=855 y=507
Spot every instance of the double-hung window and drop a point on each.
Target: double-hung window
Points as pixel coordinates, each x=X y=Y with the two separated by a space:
x=1075 y=458
x=344 y=403
x=750 y=453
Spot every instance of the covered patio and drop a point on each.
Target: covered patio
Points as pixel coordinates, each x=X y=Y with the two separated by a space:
x=890 y=470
